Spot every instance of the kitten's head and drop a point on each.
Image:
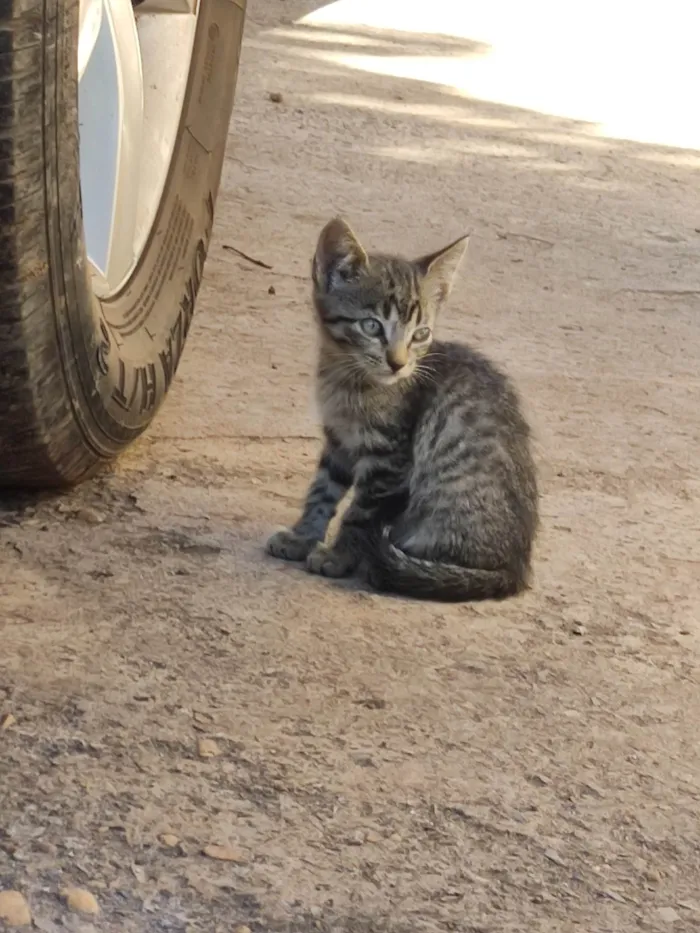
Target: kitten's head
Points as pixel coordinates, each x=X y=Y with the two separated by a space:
x=377 y=313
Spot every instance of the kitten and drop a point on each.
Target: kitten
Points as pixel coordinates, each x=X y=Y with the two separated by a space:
x=429 y=434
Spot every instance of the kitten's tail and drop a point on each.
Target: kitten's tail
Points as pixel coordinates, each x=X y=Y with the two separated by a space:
x=392 y=570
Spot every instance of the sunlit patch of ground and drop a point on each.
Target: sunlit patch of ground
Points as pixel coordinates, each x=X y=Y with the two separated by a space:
x=629 y=69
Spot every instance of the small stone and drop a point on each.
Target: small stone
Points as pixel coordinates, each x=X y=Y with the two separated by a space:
x=47 y=848
x=271 y=290
x=652 y=876
x=364 y=761
x=372 y=702
x=473 y=878
x=6 y=721
x=613 y=896
x=80 y=901
x=554 y=856
x=170 y=840
x=242 y=929
x=14 y=909
x=578 y=628
x=139 y=872
x=668 y=914
x=275 y=97
x=540 y=780
x=47 y=926
x=207 y=748
x=90 y=516
x=225 y=854
x=371 y=836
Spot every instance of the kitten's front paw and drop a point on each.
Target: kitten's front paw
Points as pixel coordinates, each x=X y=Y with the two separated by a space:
x=329 y=563
x=288 y=545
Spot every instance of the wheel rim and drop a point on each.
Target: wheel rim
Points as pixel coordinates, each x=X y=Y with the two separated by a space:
x=133 y=66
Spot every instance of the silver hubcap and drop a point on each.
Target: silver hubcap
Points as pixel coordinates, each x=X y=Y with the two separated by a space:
x=133 y=66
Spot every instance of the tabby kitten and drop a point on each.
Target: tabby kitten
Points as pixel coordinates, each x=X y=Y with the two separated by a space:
x=429 y=434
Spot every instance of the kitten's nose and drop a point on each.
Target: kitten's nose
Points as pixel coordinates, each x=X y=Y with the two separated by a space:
x=397 y=358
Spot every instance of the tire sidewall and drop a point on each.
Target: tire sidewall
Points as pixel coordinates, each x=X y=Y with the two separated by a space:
x=121 y=354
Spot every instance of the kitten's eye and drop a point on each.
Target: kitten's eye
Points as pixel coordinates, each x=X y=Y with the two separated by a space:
x=371 y=326
x=420 y=334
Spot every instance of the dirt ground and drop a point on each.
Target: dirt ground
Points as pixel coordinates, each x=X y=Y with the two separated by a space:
x=384 y=766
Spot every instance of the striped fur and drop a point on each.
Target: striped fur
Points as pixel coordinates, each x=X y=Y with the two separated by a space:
x=429 y=435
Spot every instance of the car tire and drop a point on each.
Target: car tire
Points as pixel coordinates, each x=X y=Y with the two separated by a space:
x=82 y=377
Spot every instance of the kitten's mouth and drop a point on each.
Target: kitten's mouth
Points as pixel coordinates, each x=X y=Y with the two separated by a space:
x=390 y=379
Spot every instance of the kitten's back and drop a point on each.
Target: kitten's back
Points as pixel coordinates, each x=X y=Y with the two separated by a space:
x=473 y=502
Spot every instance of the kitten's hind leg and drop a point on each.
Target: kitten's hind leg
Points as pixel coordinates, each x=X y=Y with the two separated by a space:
x=287 y=544
x=332 y=481
x=329 y=562
x=343 y=557
x=379 y=497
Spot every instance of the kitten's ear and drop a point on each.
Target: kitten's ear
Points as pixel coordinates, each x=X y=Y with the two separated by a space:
x=438 y=269
x=339 y=256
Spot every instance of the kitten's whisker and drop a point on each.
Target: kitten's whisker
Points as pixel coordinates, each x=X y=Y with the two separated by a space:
x=426 y=372
x=350 y=373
